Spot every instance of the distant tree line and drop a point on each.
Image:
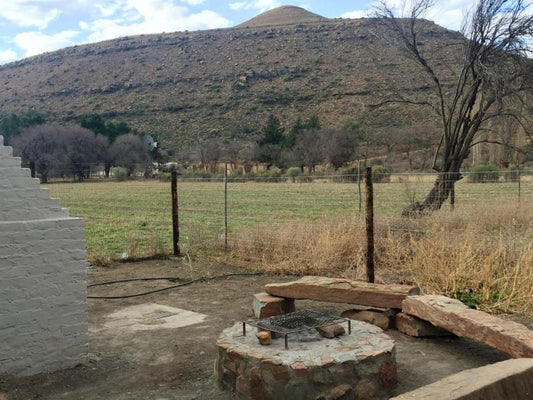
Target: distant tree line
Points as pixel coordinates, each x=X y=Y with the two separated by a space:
x=305 y=144
x=76 y=151
x=96 y=143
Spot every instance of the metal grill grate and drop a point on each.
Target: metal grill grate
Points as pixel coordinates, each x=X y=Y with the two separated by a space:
x=295 y=322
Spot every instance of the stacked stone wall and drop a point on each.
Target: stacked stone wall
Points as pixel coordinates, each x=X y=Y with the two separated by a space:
x=43 y=308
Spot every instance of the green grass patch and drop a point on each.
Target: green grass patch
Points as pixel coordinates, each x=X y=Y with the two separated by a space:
x=135 y=216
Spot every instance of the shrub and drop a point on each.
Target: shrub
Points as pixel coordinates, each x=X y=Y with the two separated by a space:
x=274 y=172
x=347 y=174
x=120 y=173
x=197 y=174
x=293 y=172
x=164 y=176
x=380 y=174
x=484 y=173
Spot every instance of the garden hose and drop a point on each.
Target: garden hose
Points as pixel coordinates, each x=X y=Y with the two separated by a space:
x=172 y=279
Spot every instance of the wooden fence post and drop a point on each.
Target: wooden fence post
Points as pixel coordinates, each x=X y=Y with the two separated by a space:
x=226 y=206
x=175 y=221
x=369 y=219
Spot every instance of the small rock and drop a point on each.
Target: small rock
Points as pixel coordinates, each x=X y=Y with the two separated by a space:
x=372 y=317
x=265 y=305
x=265 y=338
x=331 y=331
x=416 y=327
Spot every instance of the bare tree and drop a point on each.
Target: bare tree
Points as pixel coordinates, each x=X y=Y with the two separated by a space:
x=230 y=152
x=489 y=84
x=81 y=151
x=208 y=152
x=127 y=152
x=38 y=146
x=105 y=156
x=309 y=148
x=339 y=145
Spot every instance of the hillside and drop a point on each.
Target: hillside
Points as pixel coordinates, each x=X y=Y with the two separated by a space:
x=284 y=15
x=225 y=82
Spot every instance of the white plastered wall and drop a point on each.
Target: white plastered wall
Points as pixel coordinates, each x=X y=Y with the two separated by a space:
x=43 y=301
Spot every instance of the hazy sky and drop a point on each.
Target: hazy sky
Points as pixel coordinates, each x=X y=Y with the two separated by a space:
x=30 y=27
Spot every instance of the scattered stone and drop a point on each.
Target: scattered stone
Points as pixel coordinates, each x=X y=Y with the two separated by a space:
x=343 y=291
x=505 y=380
x=265 y=305
x=417 y=327
x=372 y=317
x=264 y=337
x=331 y=331
x=510 y=337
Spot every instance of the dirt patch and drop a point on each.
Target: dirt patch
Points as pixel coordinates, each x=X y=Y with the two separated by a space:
x=177 y=362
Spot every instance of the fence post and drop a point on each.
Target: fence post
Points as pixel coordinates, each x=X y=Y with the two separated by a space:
x=519 y=188
x=452 y=195
x=369 y=219
x=359 y=184
x=226 y=206
x=175 y=221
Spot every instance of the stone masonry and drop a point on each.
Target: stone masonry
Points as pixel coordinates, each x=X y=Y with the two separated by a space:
x=360 y=365
x=43 y=306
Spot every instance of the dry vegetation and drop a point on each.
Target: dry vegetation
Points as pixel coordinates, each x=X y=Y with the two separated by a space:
x=481 y=253
x=483 y=256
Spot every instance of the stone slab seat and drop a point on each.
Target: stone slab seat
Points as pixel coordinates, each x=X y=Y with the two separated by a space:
x=343 y=291
x=506 y=380
x=510 y=337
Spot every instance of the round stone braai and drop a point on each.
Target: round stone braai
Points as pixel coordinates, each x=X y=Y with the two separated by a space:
x=360 y=365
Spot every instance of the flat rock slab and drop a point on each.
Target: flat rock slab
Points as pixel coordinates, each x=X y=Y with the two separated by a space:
x=510 y=337
x=417 y=327
x=343 y=291
x=511 y=379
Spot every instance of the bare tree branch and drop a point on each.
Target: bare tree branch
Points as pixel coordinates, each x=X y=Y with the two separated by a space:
x=497 y=37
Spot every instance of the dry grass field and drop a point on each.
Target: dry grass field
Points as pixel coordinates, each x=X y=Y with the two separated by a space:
x=481 y=252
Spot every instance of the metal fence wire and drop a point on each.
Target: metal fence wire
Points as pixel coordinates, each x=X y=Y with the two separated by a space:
x=134 y=218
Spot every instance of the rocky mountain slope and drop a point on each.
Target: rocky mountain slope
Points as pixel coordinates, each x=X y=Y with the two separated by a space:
x=225 y=82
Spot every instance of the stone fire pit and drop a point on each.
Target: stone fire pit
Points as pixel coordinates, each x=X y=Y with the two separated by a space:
x=360 y=365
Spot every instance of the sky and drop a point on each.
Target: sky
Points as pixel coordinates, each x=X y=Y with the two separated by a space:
x=30 y=27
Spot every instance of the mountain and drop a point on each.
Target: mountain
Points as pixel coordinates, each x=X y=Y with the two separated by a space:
x=225 y=82
x=284 y=15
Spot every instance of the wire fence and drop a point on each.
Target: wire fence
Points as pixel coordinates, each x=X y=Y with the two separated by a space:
x=133 y=218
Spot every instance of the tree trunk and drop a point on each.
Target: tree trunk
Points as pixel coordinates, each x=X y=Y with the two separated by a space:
x=440 y=192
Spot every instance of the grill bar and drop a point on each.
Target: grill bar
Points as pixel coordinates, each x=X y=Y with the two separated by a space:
x=295 y=322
